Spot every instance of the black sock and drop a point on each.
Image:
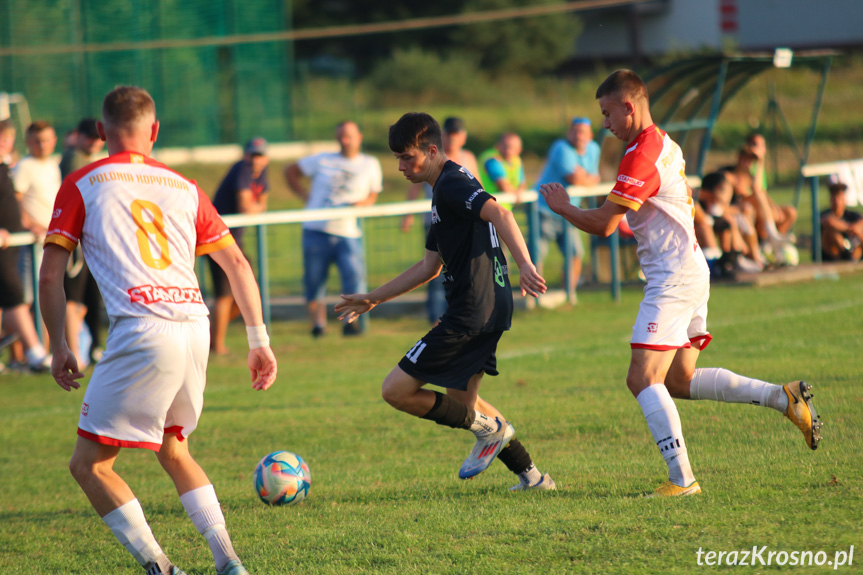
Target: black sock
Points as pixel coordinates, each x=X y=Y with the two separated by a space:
x=450 y=412
x=515 y=457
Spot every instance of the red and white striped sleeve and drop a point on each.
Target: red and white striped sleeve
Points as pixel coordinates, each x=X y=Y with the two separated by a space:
x=67 y=221
x=212 y=233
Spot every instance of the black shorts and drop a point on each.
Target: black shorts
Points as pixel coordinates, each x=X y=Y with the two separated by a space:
x=77 y=274
x=11 y=289
x=449 y=359
x=221 y=285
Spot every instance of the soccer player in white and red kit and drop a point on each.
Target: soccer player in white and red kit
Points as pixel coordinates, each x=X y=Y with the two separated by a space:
x=141 y=226
x=671 y=327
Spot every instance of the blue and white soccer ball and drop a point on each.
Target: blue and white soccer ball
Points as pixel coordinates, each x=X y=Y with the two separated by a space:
x=282 y=478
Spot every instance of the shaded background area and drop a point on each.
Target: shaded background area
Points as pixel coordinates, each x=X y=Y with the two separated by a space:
x=205 y=95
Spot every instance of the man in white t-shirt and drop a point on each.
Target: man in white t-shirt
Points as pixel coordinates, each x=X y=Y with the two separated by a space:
x=670 y=330
x=141 y=226
x=337 y=180
x=36 y=178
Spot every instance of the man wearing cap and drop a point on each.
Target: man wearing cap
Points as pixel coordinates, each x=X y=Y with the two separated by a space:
x=572 y=161
x=335 y=180
x=454 y=135
x=87 y=146
x=243 y=191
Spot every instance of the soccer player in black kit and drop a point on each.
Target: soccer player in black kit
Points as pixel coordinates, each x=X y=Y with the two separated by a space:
x=464 y=245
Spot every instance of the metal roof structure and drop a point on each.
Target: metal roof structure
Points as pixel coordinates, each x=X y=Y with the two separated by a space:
x=687 y=96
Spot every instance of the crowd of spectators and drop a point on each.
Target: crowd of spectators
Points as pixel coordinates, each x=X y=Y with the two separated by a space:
x=738 y=225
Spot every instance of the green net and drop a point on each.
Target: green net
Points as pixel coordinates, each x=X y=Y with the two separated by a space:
x=53 y=52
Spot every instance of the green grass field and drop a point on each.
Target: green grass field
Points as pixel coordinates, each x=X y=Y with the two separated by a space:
x=385 y=494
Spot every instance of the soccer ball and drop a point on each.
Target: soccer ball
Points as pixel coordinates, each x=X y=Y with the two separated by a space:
x=787 y=255
x=282 y=478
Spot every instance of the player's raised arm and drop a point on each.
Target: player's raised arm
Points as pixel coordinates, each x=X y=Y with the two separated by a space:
x=601 y=221
x=262 y=362
x=504 y=222
x=354 y=305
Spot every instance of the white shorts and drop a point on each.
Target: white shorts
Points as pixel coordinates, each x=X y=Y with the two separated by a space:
x=672 y=317
x=150 y=382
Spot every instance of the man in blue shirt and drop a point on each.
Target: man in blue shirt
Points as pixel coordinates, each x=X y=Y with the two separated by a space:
x=572 y=161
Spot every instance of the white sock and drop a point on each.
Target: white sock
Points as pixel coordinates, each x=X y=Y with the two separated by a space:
x=772 y=233
x=35 y=354
x=664 y=423
x=719 y=384
x=204 y=510
x=530 y=476
x=483 y=425
x=129 y=526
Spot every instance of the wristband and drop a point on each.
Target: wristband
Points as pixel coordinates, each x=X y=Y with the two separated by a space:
x=257 y=335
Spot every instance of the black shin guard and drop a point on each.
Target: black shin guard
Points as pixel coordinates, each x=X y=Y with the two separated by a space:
x=515 y=457
x=450 y=412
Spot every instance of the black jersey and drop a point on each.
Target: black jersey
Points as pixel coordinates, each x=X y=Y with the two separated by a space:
x=475 y=275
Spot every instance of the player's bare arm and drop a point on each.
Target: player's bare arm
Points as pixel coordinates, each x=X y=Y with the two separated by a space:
x=262 y=362
x=294 y=178
x=504 y=222
x=354 y=305
x=601 y=221
x=52 y=301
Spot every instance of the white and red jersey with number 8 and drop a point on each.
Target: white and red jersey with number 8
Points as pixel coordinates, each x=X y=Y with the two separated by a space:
x=140 y=225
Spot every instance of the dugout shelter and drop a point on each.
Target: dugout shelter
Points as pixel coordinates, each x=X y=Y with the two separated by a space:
x=687 y=98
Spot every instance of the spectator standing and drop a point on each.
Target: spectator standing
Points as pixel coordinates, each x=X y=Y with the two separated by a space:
x=87 y=146
x=243 y=191
x=841 y=228
x=83 y=300
x=337 y=180
x=36 y=178
x=501 y=168
x=454 y=137
x=8 y=155
x=15 y=312
x=572 y=161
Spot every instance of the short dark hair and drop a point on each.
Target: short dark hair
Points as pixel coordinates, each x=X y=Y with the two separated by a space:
x=622 y=83
x=87 y=128
x=37 y=127
x=415 y=130
x=712 y=181
x=750 y=138
x=125 y=105
x=837 y=188
x=746 y=154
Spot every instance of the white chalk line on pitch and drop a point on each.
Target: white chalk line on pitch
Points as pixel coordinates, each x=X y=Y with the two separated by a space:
x=572 y=345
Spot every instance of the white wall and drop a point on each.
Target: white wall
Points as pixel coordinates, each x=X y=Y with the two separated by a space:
x=683 y=25
x=799 y=23
x=694 y=24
